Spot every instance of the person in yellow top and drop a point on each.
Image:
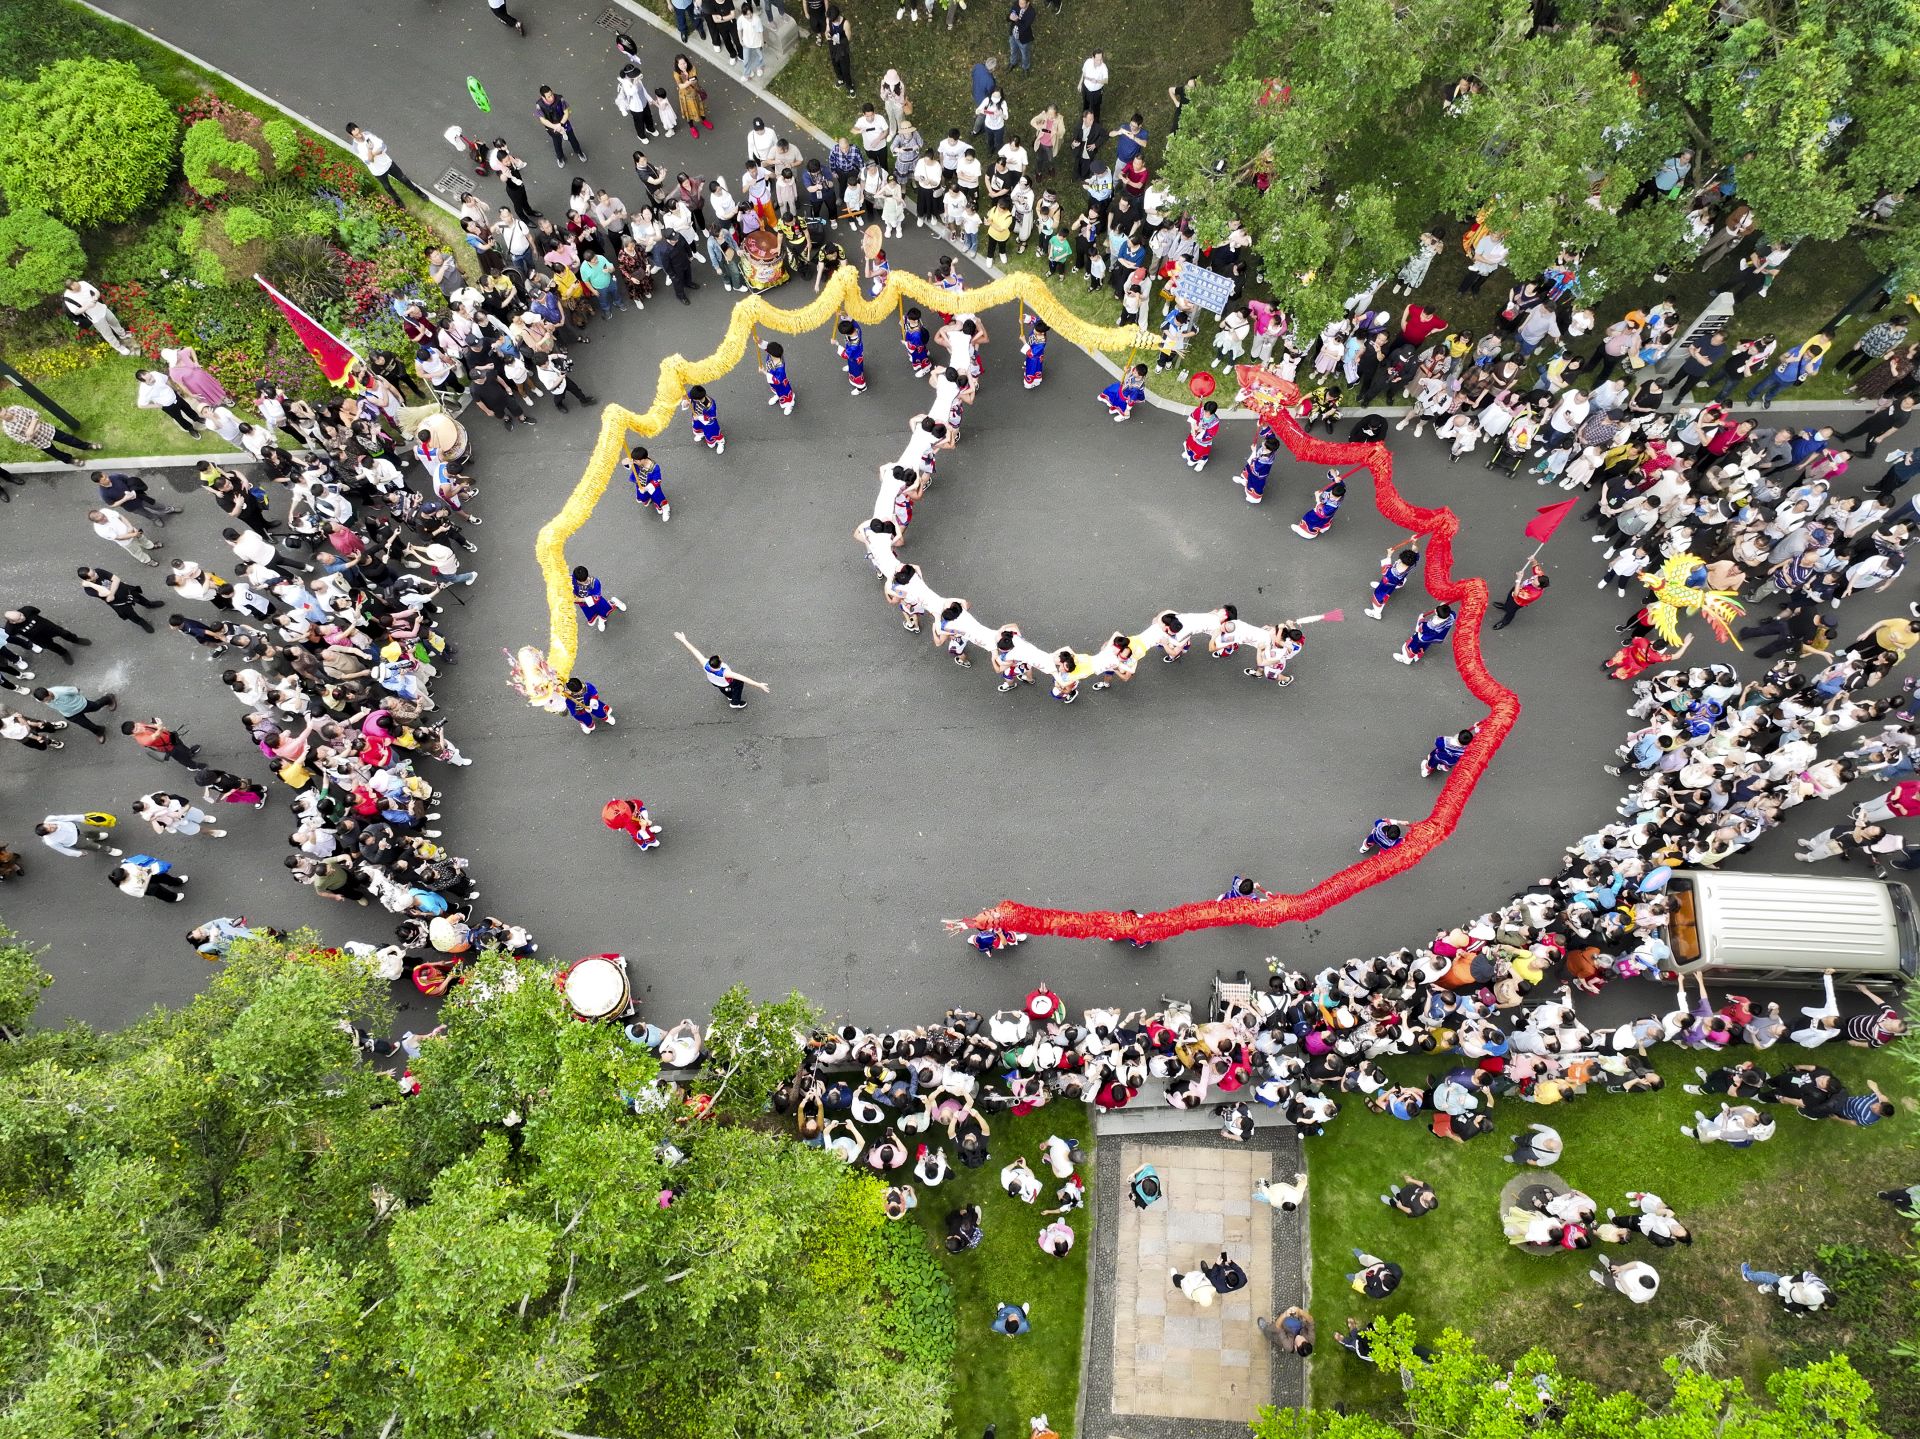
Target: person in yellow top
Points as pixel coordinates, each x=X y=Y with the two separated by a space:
x=1886 y=644
x=999 y=227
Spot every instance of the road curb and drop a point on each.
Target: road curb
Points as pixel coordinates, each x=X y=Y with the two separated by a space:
x=132 y=462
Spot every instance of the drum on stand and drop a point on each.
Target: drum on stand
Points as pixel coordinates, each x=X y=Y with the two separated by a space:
x=596 y=987
x=761 y=260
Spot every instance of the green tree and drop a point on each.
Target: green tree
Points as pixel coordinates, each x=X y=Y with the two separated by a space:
x=1809 y=100
x=1453 y=1390
x=752 y=1049
x=224 y=1222
x=1347 y=143
x=38 y=255
x=21 y=977
x=88 y=141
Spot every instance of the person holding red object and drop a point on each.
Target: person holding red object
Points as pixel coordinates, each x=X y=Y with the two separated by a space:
x=630 y=817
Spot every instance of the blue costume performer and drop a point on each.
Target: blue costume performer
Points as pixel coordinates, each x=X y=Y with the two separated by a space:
x=1033 y=353
x=706 y=419
x=1326 y=504
x=585 y=705
x=645 y=474
x=1386 y=834
x=1395 y=567
x=853 y=355
x=1124 y=393
x=915 y=337
x=594 y=604
x=1258 y=469
x=1448 y=750
x=1429 y=630
x=775 y=370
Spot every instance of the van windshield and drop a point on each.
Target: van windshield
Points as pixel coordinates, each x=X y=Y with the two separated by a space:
x=1683 y=926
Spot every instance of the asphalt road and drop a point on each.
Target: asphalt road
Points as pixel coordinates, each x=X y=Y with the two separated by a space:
x=816 y=840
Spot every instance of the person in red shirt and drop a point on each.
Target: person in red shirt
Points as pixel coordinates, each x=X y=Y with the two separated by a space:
x=1528 y=586
x=1900 y=802
x=1417 y=323
x=158 y=740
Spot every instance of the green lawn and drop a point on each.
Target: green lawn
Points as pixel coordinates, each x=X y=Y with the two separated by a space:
x=1771 y=1206
x=937 y=63
x=998 y=1380
x=100 y=397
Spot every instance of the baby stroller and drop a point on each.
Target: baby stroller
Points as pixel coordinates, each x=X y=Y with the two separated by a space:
x=1230 y=996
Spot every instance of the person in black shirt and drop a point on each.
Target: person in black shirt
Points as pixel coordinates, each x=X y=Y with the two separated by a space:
x=491 y=394
x=556 y=117
x=1412 y=1197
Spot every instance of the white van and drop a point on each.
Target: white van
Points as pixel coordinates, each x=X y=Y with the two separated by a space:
x=1790 y=928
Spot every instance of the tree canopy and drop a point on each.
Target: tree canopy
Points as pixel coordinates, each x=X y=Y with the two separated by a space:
x=1341 y=129
x=224 y=1222
x=1453 y=1390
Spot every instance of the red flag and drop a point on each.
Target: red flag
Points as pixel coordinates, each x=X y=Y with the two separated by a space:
x=329 y=351
x=1547 y=520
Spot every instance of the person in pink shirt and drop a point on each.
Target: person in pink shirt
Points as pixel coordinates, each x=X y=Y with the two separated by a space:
x=1900 y=802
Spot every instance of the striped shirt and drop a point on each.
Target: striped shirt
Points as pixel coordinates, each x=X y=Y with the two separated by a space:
x=1860 y=1109
x=1871 y=1030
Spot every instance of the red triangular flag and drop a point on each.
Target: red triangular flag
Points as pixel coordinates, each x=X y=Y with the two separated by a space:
x=329 y=351
x=1547 y=520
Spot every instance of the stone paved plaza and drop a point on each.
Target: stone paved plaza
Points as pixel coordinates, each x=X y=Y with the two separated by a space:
x=1158 y=1365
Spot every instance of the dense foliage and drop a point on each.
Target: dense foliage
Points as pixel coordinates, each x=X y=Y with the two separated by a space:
x=38 y=255
x=1454 y=1391
x=223 y=1222
x=89 y=141
x=1350 y=126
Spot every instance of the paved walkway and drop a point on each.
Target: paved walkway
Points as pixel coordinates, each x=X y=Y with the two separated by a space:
x=879 y=789
x=1159 y=1365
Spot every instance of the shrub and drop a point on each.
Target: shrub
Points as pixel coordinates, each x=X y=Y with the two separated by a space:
x=283 y=140
x=88 y=141
x=244 y=225
x=148 y=259
x=363 y=234
x=306 y=268
x=38 y=255
x=213 y=163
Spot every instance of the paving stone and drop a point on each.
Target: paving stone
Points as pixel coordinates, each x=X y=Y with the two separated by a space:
x=1193 y=1228
x=1148 y=1354
x=1235 y=1359
x=1150 y=1304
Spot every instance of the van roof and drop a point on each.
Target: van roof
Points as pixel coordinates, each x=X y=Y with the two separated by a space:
x=1794 y=921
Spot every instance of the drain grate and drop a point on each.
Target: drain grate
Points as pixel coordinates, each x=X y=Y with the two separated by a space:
x=614 y=20
x=454 y=185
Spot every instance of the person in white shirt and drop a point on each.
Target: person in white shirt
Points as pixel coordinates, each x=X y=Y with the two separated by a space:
x=1093 y=82
x=761 y=142
x=1636 y=1279
x=372 y=151
x=113 y=525
x=631 y=99
x=156 y=392
x=752 y=31
x=83 y=302
x=874 y=133
x=67 y=834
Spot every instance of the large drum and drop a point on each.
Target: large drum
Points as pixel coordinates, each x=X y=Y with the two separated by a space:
x=596 y=987
x=761 y=260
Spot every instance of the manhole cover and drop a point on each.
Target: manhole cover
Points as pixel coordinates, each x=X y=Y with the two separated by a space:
x=454 y=185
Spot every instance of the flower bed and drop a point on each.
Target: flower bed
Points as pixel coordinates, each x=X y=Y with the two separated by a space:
x=251 y=193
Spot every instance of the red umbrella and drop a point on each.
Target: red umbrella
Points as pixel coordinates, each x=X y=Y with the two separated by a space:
x=1201 y=385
